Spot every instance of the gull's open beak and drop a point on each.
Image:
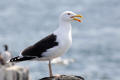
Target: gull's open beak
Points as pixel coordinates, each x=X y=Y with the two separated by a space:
x=74 y=18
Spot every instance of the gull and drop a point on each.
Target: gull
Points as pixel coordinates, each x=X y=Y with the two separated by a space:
x=54 y=45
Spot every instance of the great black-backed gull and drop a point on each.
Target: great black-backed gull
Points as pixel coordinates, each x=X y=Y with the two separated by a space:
x=52 y=46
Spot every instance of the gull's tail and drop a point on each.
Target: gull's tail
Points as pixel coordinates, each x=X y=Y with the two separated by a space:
x=20 y=58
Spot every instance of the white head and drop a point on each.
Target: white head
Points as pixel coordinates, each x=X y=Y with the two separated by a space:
x=69 y=16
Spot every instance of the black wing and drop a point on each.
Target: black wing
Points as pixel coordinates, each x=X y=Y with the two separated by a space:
x=41 y=46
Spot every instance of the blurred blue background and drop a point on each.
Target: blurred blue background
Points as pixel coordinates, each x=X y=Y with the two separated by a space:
x=96 y=46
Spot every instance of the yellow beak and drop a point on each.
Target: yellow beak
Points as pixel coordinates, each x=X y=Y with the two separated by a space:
x=77 y=18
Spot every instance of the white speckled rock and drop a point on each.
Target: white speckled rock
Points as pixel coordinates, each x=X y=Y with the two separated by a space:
x=8 y=72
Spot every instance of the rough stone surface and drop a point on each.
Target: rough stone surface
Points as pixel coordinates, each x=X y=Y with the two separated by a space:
x=63 y=77
x=9 y=72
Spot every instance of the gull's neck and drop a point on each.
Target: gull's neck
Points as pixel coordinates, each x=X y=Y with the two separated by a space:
x=64 y=27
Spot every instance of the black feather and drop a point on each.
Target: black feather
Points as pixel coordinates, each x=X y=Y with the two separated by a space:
x=41 y=46
x=18 y=58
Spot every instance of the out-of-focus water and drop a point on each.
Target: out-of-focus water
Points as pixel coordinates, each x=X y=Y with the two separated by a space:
x=96 y=42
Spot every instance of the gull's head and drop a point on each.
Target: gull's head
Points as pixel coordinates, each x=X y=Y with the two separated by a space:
x=70 y=16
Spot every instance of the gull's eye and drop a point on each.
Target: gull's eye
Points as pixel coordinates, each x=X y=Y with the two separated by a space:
x=68 y=14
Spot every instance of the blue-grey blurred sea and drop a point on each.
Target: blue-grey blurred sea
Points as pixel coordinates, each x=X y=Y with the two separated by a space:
x=96 y=41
